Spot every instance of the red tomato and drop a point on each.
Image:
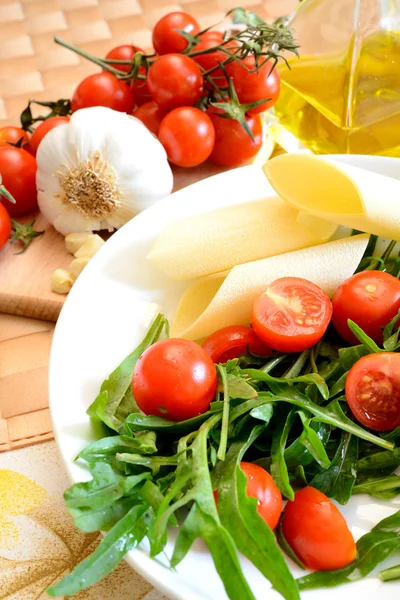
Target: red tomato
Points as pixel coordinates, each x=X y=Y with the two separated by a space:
x=18 y=171
x=233 y=146
x=175 y=80
x=187 y=135
x=124 y=52
x=12 y=135
x=210 y=60
x=166 y=38
x=151 y=115
x=317 y=531
x=213 y=34
x=257 y=85
x=369 y=298
x=5 y=226
x=373 y=390
x=229 y=342
x=174 y=379
x=260 y=485
x=141 y=89
x=103 y=89
x=291 y=315
x=42 y=129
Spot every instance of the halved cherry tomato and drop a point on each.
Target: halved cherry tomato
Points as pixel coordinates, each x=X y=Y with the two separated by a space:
x=369 y=298
x=103 y=89
x=166 y=36
x=174 y=379
x=228 y=342
x=18 y=171
x=260 y=485
x=317 y=531
x=5 y=226
x=233 y=146
x=151 y=115
x=187 y=135
x=373 y=390
x=251 y=85
x=291 y=315
x=11 y=135
x=44 y=128
x=175 y=80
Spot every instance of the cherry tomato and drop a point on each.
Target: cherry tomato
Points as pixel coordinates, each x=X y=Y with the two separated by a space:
x=5 y=226
x=18 y=171
x=233 y=146
x=253 y=85
x=369 y=298
x=187 y=135
x=42 y=129
x=175 y=80
x=166 y=38
x=11 y=135
x=213 y=34
x=103 y=89
x=260 y=485
x=373 y=390
x=141 y=89
x=210 y=60
x=291 y=315
x=228 y=342
x=151 y=115
x=124 y=52
x=174 y=379
x=317 y=531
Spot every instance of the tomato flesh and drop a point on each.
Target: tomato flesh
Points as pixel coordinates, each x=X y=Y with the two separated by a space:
x=5 y=226
x=229 y=342
x=174 y=379
x=44 y=128
x=317 y=531
x=373 y=390
x=291 y=315
x=260 y=485
x=369 y=298
x=18 y=171
x=103 y=89
x=187 y=135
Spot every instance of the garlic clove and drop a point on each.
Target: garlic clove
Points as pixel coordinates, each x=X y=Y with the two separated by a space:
x=77 y=265
x=90 y=247
x=73 y=241
x=62 y=281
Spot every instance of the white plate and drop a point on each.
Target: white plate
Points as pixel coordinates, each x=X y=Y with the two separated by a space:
x=104 y=318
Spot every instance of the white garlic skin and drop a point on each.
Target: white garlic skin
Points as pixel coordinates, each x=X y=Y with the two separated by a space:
x=123 y=150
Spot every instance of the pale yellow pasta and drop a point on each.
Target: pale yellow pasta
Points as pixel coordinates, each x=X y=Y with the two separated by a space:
x=219 y=240
x=338 y=193
x=226 y=298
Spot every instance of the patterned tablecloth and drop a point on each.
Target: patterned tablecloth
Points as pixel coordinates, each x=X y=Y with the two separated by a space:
x=38 y=541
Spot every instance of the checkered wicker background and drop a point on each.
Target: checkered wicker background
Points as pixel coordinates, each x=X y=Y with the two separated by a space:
x=33 y=66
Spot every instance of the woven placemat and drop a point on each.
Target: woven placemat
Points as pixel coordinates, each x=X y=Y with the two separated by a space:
x=33 y=66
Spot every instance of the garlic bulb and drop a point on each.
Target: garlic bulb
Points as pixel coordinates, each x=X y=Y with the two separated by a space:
x=99 y=170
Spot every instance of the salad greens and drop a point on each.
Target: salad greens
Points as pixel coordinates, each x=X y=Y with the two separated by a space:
x=286 y=413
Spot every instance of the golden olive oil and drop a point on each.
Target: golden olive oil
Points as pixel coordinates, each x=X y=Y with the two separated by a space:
x=347 y=104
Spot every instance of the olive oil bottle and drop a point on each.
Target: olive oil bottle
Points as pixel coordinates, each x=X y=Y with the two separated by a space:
x=343 y=94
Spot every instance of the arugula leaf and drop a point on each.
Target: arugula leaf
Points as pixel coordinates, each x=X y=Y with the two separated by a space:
x=365 y=340
x=115 y=401
x=225 y=413
x=372 y=549
x=312 y=378
x=124 y=536
x=143 y=443
x=381 y=487
x=349 y=356
x=263 y=412
x=338 y=480
x=238 y=513
x=92 y=494
x=285 y=546
x=331 y=414
x=279 y=470
x=103 y=518
x=139 y=422
x=297 y=453
x=310 y=440
x=391 y=337
x=380 y=460
x=240 y=388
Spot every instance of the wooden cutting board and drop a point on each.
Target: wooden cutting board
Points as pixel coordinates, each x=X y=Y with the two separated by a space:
x=25 y=278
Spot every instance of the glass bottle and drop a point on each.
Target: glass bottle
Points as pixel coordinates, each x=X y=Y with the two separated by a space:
x=343 y=94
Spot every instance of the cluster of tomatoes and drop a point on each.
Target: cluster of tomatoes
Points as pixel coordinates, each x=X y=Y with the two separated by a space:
x=176 y=82
x=176 y=379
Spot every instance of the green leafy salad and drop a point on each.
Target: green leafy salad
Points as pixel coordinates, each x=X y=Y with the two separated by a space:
x=211 y=438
